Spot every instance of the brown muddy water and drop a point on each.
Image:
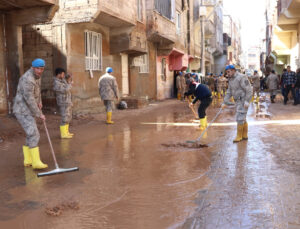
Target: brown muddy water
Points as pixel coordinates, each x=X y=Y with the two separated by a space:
x=140 y=173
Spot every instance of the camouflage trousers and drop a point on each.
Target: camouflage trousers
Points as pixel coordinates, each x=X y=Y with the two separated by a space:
x=256 y=90
x=241 y=112
x=181 y=91
x=28 y=123
x=273 y=92
x=66 y=114
x=108 y=105
x=222 y=89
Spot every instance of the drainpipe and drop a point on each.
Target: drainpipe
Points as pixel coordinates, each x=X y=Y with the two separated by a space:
x=156 y=80
x=202 y=20
x=8 y=102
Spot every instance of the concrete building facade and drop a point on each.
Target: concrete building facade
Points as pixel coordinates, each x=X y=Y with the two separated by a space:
x=282 y=35
x=146 y=42
x=232 y=28
x=14 y=15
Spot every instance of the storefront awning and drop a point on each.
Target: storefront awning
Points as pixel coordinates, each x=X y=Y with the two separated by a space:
x=178 y=60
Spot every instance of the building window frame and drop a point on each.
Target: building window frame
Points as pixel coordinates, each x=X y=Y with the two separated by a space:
x=93 y=50
x=166 y=8
x=178 y=22
x=163 y=71
x=142 y=62
x=139 y=10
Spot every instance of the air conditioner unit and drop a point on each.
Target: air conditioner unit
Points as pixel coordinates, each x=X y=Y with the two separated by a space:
x=202 y=11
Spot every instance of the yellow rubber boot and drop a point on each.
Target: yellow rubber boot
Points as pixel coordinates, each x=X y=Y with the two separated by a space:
x=178 y=96
x=219 y=95
x=257 y=99
x=36 y=161
x=252 y=99
x=239 y=135
x=64 y=132
x=108 y=119
x=245 y=131
x=71 y=134
x=205 y=121
x=27 y=156
x=202 y=124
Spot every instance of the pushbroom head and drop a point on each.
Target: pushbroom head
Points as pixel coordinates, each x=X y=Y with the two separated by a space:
x=191 y=141
x=57 y=171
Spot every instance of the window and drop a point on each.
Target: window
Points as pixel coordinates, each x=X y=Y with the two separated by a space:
x=163 y=72
x=93 y=50
x=144 y=67
x=165 y=8
x=142 y=62
x=140 y=10
x=178 y=22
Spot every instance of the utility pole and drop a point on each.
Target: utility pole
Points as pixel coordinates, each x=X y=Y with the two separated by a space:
x=202 y=22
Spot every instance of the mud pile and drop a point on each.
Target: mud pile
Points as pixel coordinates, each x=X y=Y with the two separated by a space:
x=58 y=209
x=185 y=145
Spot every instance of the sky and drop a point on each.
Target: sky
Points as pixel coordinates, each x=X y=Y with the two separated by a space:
x=251 y=14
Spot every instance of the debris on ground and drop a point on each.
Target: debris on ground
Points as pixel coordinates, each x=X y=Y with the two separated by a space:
x=185 y=145
x=57 y=210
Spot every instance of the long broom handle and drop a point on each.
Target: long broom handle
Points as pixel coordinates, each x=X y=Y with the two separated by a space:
x=193 y=109
x=50 y=143
x=204 y=131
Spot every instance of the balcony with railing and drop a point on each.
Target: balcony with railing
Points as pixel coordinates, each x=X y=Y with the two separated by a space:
x=133 y=43
x=30 y=12
x=115 y=13
x=161 y=28
x=209 y=29
x=9 y=5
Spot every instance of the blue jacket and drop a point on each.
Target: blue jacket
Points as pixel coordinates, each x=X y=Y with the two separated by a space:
x=200 y=91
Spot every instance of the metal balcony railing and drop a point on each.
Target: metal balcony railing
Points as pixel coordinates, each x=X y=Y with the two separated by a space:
x=164 y=7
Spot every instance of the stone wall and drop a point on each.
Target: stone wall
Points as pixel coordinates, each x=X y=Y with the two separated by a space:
x=45 y=41
x=85 y=92
x=144 y=84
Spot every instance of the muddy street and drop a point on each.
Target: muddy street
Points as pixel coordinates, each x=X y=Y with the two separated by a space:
x=141 y=173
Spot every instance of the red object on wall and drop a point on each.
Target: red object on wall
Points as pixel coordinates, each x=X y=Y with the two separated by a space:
x=178 y=60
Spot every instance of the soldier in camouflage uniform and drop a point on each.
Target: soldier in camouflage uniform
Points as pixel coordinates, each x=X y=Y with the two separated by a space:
x=241 y=90
x=27 y=106
x=179 y=86
x=62 y=86
x=108 y=90
x=221 y=86
x=256 y=85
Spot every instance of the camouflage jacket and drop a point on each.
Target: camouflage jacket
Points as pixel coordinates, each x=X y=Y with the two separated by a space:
x=272 y=82
x=239 y=87
x=222 y=81
x=28 y=95
x=108 y=87
x=256 y=81
x=178 y=82
x=63 y=91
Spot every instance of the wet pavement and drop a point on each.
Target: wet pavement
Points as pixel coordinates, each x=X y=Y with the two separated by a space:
x=140 y=173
